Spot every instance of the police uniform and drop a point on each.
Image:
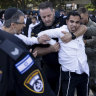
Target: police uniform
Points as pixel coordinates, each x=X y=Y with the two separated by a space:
x=50 y=65
x=19 y=75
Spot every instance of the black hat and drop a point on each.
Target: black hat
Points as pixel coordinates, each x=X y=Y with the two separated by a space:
x=9 y=13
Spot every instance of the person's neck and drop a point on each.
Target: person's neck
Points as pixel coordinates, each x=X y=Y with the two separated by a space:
x=9 y=30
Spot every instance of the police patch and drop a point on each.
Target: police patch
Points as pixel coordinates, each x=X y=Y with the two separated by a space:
x=34 y=82
x=23 y=65
x=1 y=75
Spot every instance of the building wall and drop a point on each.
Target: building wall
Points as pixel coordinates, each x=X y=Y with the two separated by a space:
x=77 y=3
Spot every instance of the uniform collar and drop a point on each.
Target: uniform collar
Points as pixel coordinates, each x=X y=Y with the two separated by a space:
x=54 y=25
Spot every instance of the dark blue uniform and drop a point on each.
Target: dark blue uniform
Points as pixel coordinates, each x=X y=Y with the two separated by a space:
x=50 y=65
x=19 y=75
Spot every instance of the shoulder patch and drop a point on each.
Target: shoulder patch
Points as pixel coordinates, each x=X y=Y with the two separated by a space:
x=34 y=82
x=1 y=72
x=23 y=65
x=10 y=48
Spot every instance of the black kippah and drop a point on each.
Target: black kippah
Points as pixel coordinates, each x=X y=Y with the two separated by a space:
x=9 y=13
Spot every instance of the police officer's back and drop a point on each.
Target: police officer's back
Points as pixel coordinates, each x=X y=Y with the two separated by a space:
x=19 y=75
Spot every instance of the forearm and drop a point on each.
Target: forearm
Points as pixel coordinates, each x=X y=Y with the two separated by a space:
x=42 y=51
x=50 y=49
x=82 y=29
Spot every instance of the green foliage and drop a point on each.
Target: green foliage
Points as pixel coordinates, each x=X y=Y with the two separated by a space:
x=90 y=7
x=23 y=4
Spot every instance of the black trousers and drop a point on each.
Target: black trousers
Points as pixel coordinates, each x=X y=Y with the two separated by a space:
x=71 y=81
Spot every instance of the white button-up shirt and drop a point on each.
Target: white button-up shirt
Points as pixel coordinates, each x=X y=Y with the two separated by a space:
x=72 y=55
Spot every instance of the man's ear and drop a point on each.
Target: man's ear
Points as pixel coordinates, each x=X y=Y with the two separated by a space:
x=54 y=11
x=12 y=25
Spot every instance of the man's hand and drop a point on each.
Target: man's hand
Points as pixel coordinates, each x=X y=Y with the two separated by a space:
x=33 y=53
x=42 y=39
x=55 y=47
x=67 y=37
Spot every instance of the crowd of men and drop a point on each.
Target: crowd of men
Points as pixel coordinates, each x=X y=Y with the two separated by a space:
x=35 y=65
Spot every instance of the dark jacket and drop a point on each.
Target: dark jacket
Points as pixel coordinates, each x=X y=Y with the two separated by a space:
x=50 y=63
x=19 y=75
x=91 y=52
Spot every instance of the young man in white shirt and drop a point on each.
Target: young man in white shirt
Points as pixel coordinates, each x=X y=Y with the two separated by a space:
x=72 y=57
x=32 y=25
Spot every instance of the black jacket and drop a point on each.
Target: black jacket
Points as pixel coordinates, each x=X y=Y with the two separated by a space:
x=19 y=75
x=50 y=64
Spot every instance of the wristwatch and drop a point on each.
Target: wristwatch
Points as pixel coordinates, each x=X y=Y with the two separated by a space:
x=73 y=36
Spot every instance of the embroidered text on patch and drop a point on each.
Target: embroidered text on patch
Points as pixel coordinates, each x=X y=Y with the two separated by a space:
x=34 y=82
x=24 y=64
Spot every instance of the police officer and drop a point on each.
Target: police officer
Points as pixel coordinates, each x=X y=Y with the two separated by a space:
x=19 y=75
x=50 y=64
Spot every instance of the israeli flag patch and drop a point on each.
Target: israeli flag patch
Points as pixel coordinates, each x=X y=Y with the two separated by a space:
x=24 y=64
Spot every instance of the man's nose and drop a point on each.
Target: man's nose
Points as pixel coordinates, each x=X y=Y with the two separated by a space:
x=74 y=24
x=46 y=18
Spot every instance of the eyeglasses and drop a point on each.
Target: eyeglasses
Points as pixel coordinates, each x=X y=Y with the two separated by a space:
x=19 y=22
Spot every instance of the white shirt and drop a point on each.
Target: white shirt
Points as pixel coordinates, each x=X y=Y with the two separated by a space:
x=72 y=55
x=31 y=26
x=27 y=40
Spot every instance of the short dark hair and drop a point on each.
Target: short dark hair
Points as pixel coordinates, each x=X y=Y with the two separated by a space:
x=73 y=13
x=34 y=17
x=45 y=5
x=82 y=10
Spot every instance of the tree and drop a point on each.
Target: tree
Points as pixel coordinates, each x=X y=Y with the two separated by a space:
x=94 y=3
x=22 y=4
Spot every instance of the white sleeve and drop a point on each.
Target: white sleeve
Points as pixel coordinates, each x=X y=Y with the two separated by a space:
x=53 y=33
x=28 y=40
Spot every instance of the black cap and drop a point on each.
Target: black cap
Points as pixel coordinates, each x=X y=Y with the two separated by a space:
x=9 y=13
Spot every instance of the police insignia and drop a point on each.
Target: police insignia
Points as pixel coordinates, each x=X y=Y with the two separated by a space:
x=0 y=75
x=34 y=82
